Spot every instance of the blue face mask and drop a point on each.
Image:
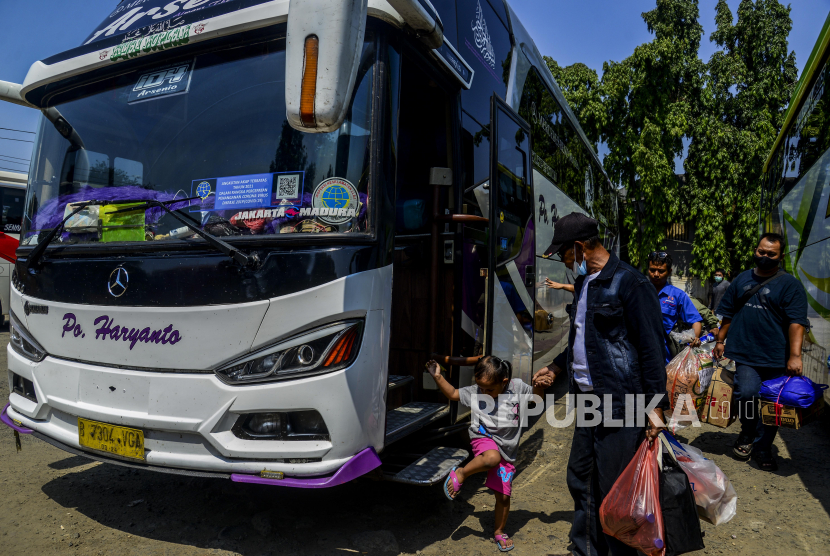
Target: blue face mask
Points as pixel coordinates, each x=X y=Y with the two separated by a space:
x=581 y=268
x=718 y=279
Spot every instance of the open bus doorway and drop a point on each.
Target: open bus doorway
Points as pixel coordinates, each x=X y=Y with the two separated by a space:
x=423 y=148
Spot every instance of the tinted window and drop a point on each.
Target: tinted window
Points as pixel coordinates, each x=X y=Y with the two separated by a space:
x=11 y=199
x=485 y=43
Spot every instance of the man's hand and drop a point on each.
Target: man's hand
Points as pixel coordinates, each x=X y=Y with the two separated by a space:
x=695 y=343
x=794 y=365
x=718 y=351
x=657 y=423
x=543 y=378
x=433 y=368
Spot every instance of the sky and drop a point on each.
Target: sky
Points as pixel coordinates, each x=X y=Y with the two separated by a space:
x=570 y=31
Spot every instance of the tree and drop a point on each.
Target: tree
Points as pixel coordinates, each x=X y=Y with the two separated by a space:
x=582 y=89
x=649 y=99
x=748 y=83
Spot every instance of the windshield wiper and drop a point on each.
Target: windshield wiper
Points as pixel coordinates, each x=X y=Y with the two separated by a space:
x=37 y=253
x=247 y=261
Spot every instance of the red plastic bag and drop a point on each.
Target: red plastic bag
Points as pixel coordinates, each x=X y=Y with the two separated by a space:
x=631 y=510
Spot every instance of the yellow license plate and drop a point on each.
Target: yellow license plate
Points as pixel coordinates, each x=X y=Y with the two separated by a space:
x=121 y=441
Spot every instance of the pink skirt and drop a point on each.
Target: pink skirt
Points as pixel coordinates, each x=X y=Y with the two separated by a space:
x=499 y=478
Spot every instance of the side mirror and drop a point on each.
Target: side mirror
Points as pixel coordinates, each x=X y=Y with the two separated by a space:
x=323 y=48
x=10 y=92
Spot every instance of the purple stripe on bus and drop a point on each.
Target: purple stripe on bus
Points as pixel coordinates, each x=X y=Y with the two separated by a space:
x=360 y=464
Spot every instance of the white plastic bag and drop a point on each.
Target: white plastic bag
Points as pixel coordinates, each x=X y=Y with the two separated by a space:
x=683 y=337
x=716 y=499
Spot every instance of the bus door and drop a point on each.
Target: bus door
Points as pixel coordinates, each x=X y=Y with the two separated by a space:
x=511 y=273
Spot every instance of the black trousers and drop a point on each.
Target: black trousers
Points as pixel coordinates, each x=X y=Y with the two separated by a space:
x=598 y=457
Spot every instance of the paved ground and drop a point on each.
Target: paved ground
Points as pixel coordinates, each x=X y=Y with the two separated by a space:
x=54 y=502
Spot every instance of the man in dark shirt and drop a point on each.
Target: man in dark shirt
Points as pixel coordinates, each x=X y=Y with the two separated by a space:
x=718 y=289
x=614 y=352
x=765 y=337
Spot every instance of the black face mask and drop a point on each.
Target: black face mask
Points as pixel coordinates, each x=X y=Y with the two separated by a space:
x=765 y=263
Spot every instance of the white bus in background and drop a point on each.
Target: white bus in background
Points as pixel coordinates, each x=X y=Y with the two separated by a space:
x=12 y=197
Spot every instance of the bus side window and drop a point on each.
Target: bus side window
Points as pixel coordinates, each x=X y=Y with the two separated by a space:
x=11 y=200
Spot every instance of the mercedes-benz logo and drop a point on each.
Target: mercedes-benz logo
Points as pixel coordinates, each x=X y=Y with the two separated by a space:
x=119 y=280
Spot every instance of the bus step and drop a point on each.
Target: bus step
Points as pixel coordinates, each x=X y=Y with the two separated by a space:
x=408 y=418
x=431 y=468
x=396 y=381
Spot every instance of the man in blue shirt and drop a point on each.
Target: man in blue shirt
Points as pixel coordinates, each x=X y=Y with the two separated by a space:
x=675 y=305
x=765 y=336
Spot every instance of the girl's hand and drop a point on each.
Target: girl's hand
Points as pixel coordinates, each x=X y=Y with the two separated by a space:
x=553 y=285
x=433 y=368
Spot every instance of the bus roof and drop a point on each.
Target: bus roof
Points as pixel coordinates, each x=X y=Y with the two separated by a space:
x=14 y=179
x=816 y=61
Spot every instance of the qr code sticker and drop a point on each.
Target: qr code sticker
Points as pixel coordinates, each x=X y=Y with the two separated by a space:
x=288 y=186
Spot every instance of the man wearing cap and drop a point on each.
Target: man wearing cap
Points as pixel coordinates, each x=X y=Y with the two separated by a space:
x=615 y=348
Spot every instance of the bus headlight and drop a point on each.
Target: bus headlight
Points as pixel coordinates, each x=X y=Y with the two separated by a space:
x=319 y=351
x=22 y=342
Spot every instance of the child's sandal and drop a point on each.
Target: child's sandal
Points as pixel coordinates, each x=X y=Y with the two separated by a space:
x=505 y=538
x=456 y=486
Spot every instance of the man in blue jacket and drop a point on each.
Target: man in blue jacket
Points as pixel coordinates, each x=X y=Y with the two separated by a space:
x=675 y=305
x=615 y=348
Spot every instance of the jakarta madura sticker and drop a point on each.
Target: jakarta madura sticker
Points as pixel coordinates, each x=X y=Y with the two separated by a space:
x=335 y=200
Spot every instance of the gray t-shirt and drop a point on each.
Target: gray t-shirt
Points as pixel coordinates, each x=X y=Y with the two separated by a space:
x=717 y=294
x=502 y=423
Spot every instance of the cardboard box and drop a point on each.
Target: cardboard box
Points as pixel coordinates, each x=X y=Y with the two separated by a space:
x=718 y=409
x=791 y=417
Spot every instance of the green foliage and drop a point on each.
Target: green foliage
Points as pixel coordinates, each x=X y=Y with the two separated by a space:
x=583 y=91
x=728 y=111
x=748 y=83
x=650 y=98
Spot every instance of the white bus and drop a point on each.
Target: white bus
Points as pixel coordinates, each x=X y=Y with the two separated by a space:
x=222 y=196
x=12 y=197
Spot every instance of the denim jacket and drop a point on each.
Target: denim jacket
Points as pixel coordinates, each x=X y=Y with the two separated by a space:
x=623 y=336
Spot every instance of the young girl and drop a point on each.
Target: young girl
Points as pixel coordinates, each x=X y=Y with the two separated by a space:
x=494 y=434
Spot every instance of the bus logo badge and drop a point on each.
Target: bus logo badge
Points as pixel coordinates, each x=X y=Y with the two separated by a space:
x=119 y=279
x=162 y=82
x=335 y=201
x=32 y=309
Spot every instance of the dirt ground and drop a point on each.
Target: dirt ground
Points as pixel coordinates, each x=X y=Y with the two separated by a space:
x=57 y=503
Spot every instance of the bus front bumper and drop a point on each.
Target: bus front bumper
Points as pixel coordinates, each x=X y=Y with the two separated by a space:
x=187 y=419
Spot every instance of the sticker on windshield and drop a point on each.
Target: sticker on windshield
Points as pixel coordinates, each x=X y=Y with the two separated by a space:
x=251 y=191
x=335 y=201
x=162 y=82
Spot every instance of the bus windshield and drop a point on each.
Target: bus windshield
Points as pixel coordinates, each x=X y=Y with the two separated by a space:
x=210 y=130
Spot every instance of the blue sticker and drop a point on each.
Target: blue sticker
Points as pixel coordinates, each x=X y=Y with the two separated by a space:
x=503 y=243
x=205 y=188
x=251 y=191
